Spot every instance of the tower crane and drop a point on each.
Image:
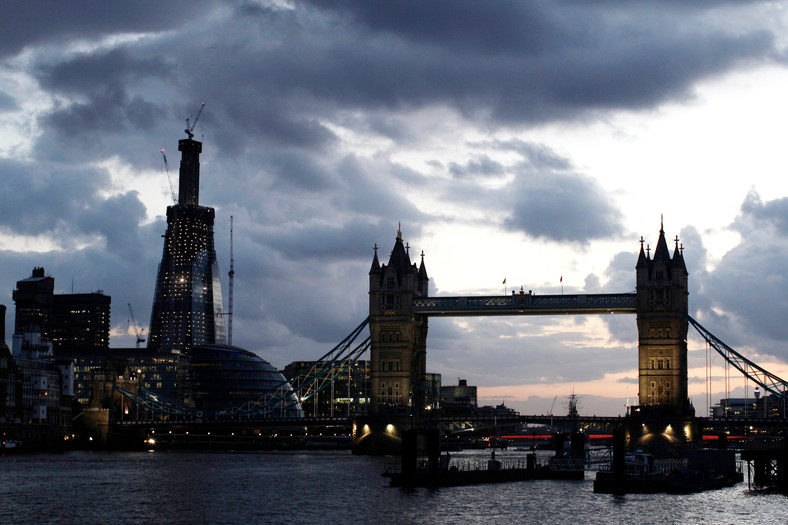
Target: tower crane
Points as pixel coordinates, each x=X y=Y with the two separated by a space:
x=190 y=127
x=169 y=179
x=137 y=330
x=551 y=411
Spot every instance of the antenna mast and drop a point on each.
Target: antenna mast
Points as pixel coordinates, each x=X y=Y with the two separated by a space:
x=230 y=294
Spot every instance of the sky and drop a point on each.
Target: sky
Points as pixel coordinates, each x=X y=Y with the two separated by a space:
x=533 y=142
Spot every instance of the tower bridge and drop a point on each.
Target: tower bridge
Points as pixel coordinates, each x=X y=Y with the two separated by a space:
x=400 y=308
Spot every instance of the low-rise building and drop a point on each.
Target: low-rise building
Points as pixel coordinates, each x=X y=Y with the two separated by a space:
x=459 y=398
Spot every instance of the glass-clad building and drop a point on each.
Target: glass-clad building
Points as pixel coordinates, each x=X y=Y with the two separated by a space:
x=187 y=306
x=226 y=377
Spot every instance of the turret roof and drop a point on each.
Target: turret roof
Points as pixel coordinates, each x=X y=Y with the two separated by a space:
x=399 y=259
x=375 y=263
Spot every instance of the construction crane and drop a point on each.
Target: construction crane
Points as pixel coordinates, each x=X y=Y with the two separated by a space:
x=231 y=273
x=551 y=411
x=169 y=179
x=190 y=127
x=137 y=330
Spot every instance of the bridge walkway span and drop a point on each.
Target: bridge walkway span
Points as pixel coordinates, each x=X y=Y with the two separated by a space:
x=526 y=304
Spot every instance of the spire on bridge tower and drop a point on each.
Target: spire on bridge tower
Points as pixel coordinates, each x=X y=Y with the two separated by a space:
x=423 y=279
x=375 y=263
x=678 y=256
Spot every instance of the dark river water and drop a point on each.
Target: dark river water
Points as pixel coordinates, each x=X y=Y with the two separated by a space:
x=325 y=487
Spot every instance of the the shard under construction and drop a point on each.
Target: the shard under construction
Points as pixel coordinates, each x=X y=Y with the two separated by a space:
x=187 y=305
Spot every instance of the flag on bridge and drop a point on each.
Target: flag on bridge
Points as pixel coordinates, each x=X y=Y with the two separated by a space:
x=504 y=280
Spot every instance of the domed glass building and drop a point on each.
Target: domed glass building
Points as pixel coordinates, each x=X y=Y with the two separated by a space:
x=226 y=377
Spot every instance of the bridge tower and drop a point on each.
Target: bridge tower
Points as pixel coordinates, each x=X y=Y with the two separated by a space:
x=398 y=353
x=662 y=308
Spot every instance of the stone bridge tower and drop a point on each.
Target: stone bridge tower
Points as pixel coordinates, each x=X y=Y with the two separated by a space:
x=662 y=299
x=398 y=354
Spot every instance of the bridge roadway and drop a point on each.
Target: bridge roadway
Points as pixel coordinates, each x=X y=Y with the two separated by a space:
x=229 y=422
x=594 y=422
x=526 y=304
x=610 y=423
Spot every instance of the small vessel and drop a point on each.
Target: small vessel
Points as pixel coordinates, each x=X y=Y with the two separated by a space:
x=638 y=473
x=9 y=445
x=702 y=469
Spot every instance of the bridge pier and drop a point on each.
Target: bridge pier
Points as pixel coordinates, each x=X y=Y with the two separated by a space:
x=654 y=428
x=768 y=467
x=380 y=434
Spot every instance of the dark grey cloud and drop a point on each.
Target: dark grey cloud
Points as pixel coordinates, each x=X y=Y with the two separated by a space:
x=50 y=22
x=273 y=76
x=299 y=173
x=110 y=112
x=563 y=207
x=325 y=242
x=115 y=219
x=539 y=156
x=533 y=61
x=50 y=196
x=543 y=197
x=482 y=166
x=7 y=102
x=755 y=214
x=748 y=290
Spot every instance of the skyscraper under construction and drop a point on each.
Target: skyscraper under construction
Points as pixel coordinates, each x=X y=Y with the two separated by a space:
x=187 y=305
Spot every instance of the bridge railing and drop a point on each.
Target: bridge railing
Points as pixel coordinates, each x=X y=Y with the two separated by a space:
x=524 y=304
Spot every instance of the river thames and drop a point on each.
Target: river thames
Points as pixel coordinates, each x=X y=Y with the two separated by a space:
x=325 y=487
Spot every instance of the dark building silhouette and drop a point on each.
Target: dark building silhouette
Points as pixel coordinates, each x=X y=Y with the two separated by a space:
x=81 y=322
x=187 y=305
x=11 y=385
x=460 y=398
x=34 y=297
x=43 y=410
x=68 y=321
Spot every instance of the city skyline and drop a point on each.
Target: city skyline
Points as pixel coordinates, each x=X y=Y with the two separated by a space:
x=530 y=143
